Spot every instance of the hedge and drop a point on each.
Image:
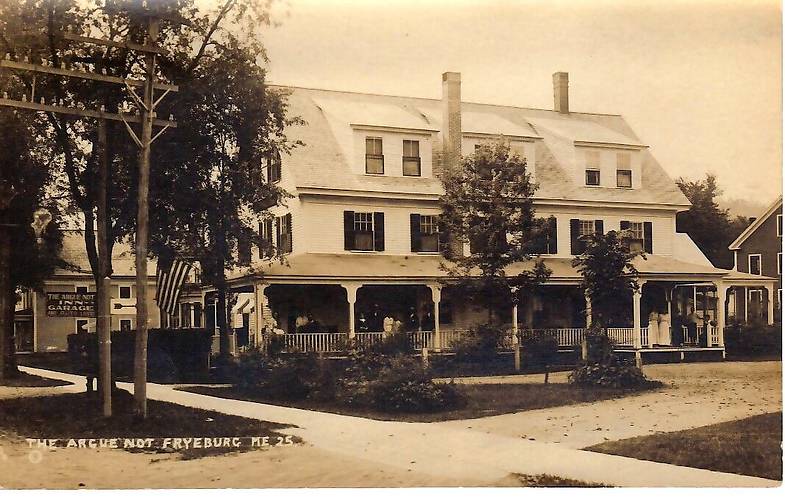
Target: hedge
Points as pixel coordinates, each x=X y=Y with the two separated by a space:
x=172 y=355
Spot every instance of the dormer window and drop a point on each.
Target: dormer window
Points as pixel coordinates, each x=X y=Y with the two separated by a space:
x=592 y=168
x=411 y=158
x=624 y=178
x=374 y=157
x=592 y=177
x=623 y=170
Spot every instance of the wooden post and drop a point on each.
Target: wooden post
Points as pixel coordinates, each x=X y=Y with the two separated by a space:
x=142 y=228
x=436 y=296
x=103 y=284
x=516 y=348
x=770 y=304
x=6 y=195
x=351 y=297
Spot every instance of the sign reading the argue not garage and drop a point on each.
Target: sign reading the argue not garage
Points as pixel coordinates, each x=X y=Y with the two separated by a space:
x=70 y=304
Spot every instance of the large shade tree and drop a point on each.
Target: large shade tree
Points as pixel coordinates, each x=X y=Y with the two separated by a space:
x=710 y=227
x=195 y=37
x=488 y=202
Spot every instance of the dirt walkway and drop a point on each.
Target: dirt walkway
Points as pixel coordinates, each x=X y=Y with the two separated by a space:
x=469 y=456
x=697 y=394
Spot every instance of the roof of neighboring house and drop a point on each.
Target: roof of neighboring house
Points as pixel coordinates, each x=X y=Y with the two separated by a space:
x=418 y=267
x=74 y=253
x=323 y=160
x=774 y=207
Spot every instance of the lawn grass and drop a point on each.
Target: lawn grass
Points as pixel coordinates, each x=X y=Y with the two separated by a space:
x=77 y=416
x=483 y=400
x=57 y=361
x=750 y=446
x=23 y=379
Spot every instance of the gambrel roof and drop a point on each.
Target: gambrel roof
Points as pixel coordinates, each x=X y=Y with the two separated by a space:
x=323 y=161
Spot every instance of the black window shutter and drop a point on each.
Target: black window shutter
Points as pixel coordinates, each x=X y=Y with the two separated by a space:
x=624 y=225
x=262 y=243
x=269 y=235
x=290 y=232
x=647 y=237
x=278 y=231
x=378 y=231
x=575 y=228
x=414 y=223
x=553 y=240
x=348 y=230
x=598 y=227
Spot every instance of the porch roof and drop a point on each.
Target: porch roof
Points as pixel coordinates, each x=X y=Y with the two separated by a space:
x=419 y=268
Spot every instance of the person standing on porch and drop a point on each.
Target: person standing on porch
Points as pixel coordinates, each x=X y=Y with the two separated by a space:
x=413 y=321
x=387 y=325
x=654 y=331
x=375 y=322
x=362 y=323
x=665 y=329
x=428 y=323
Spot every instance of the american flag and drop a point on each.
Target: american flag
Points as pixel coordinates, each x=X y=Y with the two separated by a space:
x=169 y=282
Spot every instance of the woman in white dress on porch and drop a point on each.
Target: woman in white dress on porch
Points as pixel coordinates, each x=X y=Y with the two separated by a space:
x=665 y=329
x=654 y=337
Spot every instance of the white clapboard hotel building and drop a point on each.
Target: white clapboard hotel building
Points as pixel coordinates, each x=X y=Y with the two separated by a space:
x=361 y=232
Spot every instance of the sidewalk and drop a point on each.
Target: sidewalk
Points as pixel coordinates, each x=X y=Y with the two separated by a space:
x=447 y=450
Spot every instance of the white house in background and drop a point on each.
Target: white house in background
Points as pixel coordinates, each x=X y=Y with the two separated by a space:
x=39 y=327
x=361 y=233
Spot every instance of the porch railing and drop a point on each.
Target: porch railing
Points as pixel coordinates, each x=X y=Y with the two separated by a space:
x=447 y=339
x=700 y=331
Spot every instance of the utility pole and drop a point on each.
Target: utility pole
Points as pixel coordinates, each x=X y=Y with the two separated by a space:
x=142 y=226
x=147 y=120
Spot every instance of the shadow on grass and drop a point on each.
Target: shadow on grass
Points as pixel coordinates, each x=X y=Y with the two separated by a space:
x=483 y=400
x=750 y=446
x=23 y=379
x=78 y=416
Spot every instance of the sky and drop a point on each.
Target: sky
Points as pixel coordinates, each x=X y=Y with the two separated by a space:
x=699 y=81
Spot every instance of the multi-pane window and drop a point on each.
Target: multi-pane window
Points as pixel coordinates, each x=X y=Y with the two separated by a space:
x=272 y=169
x=755 y=264
x=283 y=236
x=363 y=230
x=592 y=177
x=586 y=228
x=636 y=236
x=125 y=325
x=411 y=158
x=592 y=168
x=623 y=170
x=429 y=233
x=624 y=178
x=374 y=156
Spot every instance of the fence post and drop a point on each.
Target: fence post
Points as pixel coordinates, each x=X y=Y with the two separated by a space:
x=425 y=357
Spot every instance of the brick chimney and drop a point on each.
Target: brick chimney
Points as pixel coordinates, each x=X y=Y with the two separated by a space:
x=561 y=95
x=451 y=119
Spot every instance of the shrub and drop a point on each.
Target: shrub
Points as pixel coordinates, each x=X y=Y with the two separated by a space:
x=396 y=343
x=754 y=340
x=615 y=374
x=404 y=385
x=289 y=378
x=480 y=344
x=599 y=347
x=396 y=383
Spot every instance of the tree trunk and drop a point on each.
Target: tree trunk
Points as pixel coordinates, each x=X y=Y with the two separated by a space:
x=5 y=286
x=223 y=326
x=547 y=372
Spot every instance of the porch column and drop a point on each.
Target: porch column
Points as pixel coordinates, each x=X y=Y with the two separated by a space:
x=436 y=295
x=636 y=317
x=588 y=309
x=770 y=304
x=722 y=293
x=516 y=351
x=258 y=309
x=351 y=297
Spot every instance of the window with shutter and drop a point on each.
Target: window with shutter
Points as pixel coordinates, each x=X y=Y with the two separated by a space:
x=266 y=247
x=429 y=233
x=363 y=231
x=284 y=233
x=378 y=231
x=414 y=229
x=273 y=168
